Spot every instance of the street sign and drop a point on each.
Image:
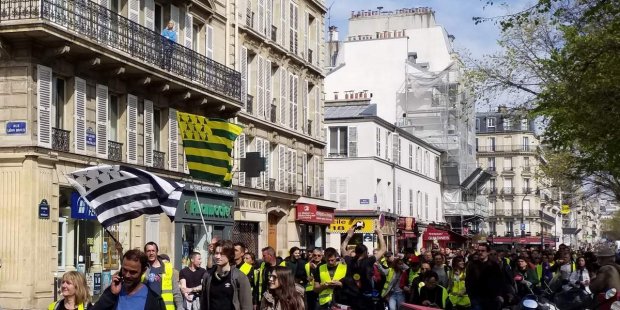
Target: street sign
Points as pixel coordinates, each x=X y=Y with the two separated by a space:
x=522 y=226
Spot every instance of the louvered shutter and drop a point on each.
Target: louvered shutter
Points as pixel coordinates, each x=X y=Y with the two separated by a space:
x=243 y=69
x=241 y=140
x=291 y=95
x=132 y=129
x=294 y=90
x=44 y=106
x=260 y=88
x=173 y=140
x=317 y=174
x=188 y=30
x=152 y=228
x=267 y=155
x=134 y=10
x=289 y=168
x=304 y=107
x=175 y=17
x=352 y=135
x=283 y=95
x=102 y=121
x=79 y=126
x=284 y=23
x=282 y=168
x=317 y=61
x=260 y=26
x=294 y=24
x=268 y=98
x=342 y=192
x=259 y=149
x=268 y=18
x=209 y=41
x=105 y=3
x=317 y=112
x=148 y=132
x=306 y=46
x=395 y=154
x=333 y=189
x=304 y=173
x=149 y=15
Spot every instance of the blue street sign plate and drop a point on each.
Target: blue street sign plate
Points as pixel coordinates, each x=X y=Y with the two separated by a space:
x=16 y=128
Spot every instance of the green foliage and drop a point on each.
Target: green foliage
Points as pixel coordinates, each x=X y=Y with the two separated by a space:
x=611 y=227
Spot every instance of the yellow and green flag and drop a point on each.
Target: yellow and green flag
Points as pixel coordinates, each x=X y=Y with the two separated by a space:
x=208 y=144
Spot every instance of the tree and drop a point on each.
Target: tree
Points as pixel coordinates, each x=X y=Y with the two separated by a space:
x=560 y=58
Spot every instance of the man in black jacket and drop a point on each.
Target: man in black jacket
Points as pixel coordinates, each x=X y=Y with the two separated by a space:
x=127 y=292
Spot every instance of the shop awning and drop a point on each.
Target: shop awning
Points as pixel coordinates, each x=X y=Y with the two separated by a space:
x=520 y=240
x=406 y=235
x=433 y=233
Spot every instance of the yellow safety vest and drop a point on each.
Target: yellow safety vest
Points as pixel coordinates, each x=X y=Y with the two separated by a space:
x=326 y=295
x=444 y=295
x=310 y=285
x=259 y=281
x=412 y=276
x=458 y=285
x=389 y=278
x=245 y=268
x=166 y=286
x=539 y=272
x=56 y=303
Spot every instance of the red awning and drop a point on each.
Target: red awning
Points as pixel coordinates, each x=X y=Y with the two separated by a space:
x=406 y=235
x=433 y=233
x=520 y=240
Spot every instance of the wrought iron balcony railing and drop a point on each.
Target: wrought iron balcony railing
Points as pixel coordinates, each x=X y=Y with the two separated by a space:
x=508 y=191
x=159 y=158
x=60 y=139
x=87 y=19
x=115 y=151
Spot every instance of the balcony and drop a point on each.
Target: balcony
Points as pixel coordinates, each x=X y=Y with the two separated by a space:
x=249 y=105
x=526 y=170
x=274 y=33
x=115 y=151
x=491 y=191
x=508 y=191
x=83 y=19
x=310 y=56
x=338 y=155
x=508 y=170
x=60 y=139
x=506 y=148
x=490 y=169
x=291 y=189
x=159 y=159
x=272 y=184
x=273 y=112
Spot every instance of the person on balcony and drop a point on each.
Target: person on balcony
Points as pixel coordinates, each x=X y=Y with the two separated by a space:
x=168 y=42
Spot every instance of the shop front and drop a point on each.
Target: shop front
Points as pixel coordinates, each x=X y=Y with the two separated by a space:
x=438 y=237
x=365 y=221
x=197 y=222
x=406 y=234
x=523 y=241
x=312 y=222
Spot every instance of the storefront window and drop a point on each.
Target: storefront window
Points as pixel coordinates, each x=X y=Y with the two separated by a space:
x=311 y=236
x=194 y=238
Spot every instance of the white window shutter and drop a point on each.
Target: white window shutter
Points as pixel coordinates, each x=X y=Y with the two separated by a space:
x=295 y=90
x=342 y=192
x=79 y=126
x=175 y=17
x=105 y=3
x=152 y=228
x=317 y=174
x=304 y=107
x=284 y=23
x=268 y=18
x=173 y=140
x=188 y=30
x=260 y=88
x=290 y=166
x=148 y=132
x=306 y=36
x=291 y=94
x=304 y=173
x=283 y=95
x=268 y=89
x=149 y=15
x=282 y=168
x=209 y=42
x=134 y=10
x=395 y=140
x=317 y=112
x=241 y=141
x=44 y=106
x=333 y=189
x=261 y=17
x=267 y=155
x=102 y=121
x=352 y=137
x=259 y=149
x=243 y=69
x=132 y=129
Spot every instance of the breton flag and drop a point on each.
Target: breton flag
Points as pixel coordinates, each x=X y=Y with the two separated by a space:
x=121 y=193
x=208 y=145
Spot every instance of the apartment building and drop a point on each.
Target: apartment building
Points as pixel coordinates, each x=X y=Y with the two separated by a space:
x=508 y=148
x=85 y=83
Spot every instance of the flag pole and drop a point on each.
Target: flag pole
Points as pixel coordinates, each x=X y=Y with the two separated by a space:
x=204 y=224
x=117 y=245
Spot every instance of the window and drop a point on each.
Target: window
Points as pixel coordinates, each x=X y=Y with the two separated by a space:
x=378 y=142
x=399 y=148
x=293 y=22
x=398 y=200
x=113 y=118
x=492 y=185
x=410 y=156
x=156 y=129
x=477 y=124
x=419 y=200
x=491 y=163
x=491 y=122
x=526 y=185
x=524 y=124
x=338 y=141
x=508 y=186
x=507 y=163
x=493 y=228
x=507 y=123
x=338 y=191
x=526 y=143
x=426 y=206
x=62 y=243
x=58 y=102
x=411 y=202
x=476 y=144
x=159 y=18
x=526 y=161
x=509 y=227
x=195 y=36
x=491 y=144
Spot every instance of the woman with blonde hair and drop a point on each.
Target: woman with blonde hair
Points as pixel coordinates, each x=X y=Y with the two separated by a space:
x=74 y=291
x=283 y=293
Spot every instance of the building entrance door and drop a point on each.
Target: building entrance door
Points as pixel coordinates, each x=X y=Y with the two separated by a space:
x=272 y=239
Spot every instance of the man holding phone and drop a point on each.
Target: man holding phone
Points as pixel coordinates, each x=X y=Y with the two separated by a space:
x=127 y=292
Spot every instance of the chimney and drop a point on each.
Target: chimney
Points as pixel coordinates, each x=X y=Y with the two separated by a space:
x=335 y=95
x=333 y=33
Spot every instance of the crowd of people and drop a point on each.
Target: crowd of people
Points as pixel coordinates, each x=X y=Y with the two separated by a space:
x=480 y=277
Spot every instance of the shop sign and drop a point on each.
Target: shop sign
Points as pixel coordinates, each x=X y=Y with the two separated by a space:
x=16 y=128
x=406 y=223
x=342 y=225
x=364 y=201
x=80 y=209
x=212 y=190
x=96 y=283
x=313 y=214
x=208 y=209
x=44 y=209
x=435 y=234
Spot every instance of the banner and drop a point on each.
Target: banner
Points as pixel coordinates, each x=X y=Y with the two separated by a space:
x=342 y=225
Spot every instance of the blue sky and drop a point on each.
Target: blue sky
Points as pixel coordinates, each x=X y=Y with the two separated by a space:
x=454 y=15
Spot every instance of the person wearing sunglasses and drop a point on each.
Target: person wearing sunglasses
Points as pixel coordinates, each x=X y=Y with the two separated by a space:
x=283 y=292
x=316 y=260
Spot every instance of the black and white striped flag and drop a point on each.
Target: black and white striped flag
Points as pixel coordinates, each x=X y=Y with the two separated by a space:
x=121 y=193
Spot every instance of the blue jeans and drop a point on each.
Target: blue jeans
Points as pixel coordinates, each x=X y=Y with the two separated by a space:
x=395 y=300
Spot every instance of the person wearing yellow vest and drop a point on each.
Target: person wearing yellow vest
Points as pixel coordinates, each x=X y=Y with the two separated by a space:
x=329 y=277
x=457 y=293
x=432 y=294
x=74 y=291
x=261 y=281
x=162 y=278
x=241 y=264
x=312 y=298
x=128 y=290
x=395 y=283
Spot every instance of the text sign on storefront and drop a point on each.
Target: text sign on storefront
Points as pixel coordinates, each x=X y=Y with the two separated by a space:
x=437 y=235
x=208 y=209
x=312 y=214
x=80 y=209
x=342 y=225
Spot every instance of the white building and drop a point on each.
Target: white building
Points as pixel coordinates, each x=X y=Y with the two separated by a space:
x=376 y=167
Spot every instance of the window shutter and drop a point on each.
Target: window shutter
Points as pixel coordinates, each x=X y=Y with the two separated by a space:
x=317 y=112
x=294 y=24
x=304 y=173
x=267 y=155
x=149 y=15
x=281 y=168
x=261 y=17
x=306 y=46
x=268 y=18
x=293 y=101
x=291 y=165
x=132 y=129
x=188 y=30
x=173 y=140
x=317 y=174
x=267 y=85
x=243 y=69
x=105 y=3
x=333 y=189
x=152 y=228
x=304 y=107
x=79 y=127
x=260 y=88
x=241 y=140
x=284 y=23
x=44 y=106
x=352 y=137
x=209 y=42
x=342 y=192
x=148 y=132
x=134 y=10
x=102 y=121
x=395 y=148
x=259 y=148
x=175 y=16
x=283 y=95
